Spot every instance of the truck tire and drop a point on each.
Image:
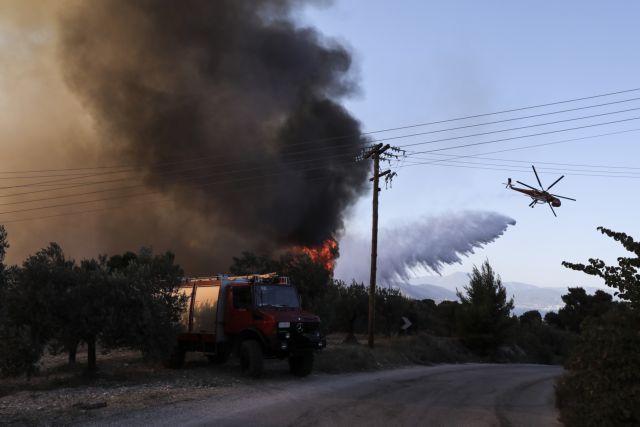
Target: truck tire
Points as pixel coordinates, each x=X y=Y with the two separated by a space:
x=176 y=359
x=301 y=365
x=251 y=358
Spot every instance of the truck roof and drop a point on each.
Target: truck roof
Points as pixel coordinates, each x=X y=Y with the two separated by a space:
x=269 y=278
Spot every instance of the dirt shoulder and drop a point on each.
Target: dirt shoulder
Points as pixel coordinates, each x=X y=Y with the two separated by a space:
x=60 y=394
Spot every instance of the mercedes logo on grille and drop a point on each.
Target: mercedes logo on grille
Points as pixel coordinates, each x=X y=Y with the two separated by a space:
x=299 y=327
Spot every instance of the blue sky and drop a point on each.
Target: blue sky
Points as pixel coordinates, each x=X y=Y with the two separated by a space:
x=421 y=61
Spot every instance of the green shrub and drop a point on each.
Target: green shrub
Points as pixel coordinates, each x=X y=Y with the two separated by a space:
x=602 y=387
x=19 y=353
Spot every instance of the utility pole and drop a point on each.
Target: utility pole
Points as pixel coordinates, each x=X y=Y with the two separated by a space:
x=374 y=153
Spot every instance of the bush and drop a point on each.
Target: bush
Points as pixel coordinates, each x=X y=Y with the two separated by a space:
x=19 y=353
x=602 y=387
x=541 y=342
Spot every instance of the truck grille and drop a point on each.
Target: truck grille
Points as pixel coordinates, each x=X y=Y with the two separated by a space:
x=309 y=328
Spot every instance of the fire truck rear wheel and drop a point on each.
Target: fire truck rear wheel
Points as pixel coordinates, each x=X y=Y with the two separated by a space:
x=301 y=365
x=251 y=358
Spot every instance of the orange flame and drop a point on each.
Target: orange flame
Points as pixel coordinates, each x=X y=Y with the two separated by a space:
x=325 y=255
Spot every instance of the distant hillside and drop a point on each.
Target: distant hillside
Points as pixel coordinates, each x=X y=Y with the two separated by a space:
x=526 y=296
x=425 y=291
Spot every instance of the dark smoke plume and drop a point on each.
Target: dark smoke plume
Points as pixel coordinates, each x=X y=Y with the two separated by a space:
x=234 y=83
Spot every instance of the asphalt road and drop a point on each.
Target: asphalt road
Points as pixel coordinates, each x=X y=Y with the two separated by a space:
x=444 y=395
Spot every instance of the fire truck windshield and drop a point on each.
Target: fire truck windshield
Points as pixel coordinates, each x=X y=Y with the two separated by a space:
x=276 y=296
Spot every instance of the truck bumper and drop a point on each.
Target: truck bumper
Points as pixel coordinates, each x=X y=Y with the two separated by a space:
x=285 y=344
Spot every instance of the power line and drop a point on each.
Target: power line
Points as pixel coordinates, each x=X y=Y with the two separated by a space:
x=42 y=183
x=519 y=128
x=145 y=202
x=349 y=154
x=223 y=173
x=179 y=179
x=538 y=162
x=435 y=162
x=519 y=118
x=320 y=168
x=515 y=170
x=362 y=134
x=526 y=167
x=522 y=136
x=562 y=141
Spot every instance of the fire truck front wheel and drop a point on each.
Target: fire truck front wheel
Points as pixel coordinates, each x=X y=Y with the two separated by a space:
x=251 y=358
x=301 y=365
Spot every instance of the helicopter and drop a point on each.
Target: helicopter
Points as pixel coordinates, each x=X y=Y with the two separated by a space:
x=540 y=196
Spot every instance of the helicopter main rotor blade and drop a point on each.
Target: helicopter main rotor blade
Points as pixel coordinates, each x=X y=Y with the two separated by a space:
x=527 y=185
x=562 y=197
x=554 y=212
x=554 y=183
x=537 y=177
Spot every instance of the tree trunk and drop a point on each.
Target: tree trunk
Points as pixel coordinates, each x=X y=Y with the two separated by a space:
x=91 y=354
x=73 y=350
x=351 y=333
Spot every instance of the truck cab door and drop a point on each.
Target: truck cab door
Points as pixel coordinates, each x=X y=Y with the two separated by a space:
x=239 y=312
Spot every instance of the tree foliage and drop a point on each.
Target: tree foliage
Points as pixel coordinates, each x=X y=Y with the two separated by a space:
x=602 y=387
x=19 y=349
x=578 y=306
x=485 y=314
x=126 y=300
x=624 y=277
x=541 y=342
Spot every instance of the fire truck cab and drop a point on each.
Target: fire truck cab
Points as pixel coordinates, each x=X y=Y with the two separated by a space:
x=255 y=317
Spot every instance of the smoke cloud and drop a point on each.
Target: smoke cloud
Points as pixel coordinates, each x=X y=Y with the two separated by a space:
x=228 y=108
x=430 y=243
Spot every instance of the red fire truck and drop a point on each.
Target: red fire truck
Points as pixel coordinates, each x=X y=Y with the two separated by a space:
x=253 y=316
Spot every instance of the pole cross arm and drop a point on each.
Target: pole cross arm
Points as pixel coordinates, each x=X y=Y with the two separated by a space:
x=374 y=150
x=387 y=172
x=383 y=149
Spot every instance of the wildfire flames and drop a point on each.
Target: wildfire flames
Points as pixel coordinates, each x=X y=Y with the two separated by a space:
x=325 y=255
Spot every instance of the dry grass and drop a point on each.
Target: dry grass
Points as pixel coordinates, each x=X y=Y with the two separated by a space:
x=61 y=394
x=389 y=353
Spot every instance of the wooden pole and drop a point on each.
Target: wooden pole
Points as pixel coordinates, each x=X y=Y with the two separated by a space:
x=374 y=246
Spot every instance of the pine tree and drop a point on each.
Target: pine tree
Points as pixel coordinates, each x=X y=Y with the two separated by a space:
x=484 y=319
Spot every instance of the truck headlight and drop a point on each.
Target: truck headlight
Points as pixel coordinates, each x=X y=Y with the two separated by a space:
x=284 y=325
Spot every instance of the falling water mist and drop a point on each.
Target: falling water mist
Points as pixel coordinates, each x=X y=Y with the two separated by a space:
x=428 y=243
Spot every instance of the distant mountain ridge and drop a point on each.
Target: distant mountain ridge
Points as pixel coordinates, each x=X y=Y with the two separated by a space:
x=526 y=296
